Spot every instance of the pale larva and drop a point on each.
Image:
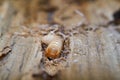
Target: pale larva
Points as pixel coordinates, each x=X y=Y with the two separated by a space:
x=54 y=43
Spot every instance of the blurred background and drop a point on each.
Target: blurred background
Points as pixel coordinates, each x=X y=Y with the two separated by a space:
x=61 y=12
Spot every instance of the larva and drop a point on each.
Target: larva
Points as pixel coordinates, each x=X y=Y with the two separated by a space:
x=54 y=43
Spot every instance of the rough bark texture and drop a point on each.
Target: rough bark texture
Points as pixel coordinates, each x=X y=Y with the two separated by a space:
x=93 y=46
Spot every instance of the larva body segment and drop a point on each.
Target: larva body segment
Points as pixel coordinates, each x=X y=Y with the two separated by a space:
x=55 y=44
x=54 y=48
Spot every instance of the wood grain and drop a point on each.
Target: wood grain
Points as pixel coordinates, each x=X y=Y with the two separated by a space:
x=93 y=47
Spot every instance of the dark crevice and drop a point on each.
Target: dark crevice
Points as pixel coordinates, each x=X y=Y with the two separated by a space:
x=51 y=15
x=6 y=50
x=116 y=17
x=79 y=1
x=1 y=34
x=21 y=65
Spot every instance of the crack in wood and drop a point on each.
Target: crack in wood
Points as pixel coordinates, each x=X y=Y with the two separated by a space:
x=4 y=52
x=21 y=64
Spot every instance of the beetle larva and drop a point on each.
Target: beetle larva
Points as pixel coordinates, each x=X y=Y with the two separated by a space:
x=47 y=39
x=54 y=43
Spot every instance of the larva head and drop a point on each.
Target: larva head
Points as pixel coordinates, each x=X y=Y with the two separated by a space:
x=48 y=38
x=52 y=51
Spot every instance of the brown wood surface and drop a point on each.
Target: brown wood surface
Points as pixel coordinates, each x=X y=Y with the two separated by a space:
x=93 y=48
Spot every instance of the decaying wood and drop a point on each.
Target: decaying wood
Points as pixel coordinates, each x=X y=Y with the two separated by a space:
x=91 y=49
